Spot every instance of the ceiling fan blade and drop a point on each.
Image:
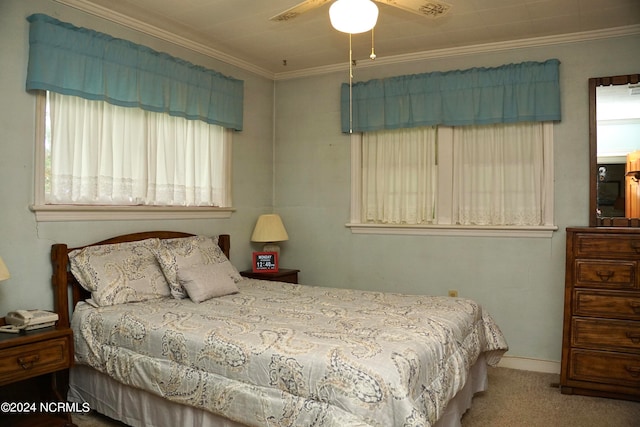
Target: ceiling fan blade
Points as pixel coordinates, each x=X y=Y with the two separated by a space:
x=428 y=8
x=299 y=9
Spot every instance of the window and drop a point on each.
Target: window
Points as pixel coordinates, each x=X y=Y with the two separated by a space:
x=399 y=176
x=97 y=160
x=119 y=175
x=480 y=180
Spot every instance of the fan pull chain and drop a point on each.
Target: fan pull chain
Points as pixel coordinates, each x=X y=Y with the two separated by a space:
x=350 y=85
x=373 y=53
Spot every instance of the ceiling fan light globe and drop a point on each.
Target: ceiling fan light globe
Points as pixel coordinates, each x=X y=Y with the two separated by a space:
x=353 y=16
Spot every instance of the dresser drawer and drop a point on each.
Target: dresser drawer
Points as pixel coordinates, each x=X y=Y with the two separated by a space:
x=616 y=335
x=606 y=245
x=606 y=274
x=604 y=367
x=602 y=304
x=34 y=359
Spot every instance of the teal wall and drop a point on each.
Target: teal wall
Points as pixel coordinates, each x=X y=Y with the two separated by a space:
x=25 y=243
x=307 y=179
x=519 y=280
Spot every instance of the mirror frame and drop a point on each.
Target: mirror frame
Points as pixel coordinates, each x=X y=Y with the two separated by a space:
x=594 y=221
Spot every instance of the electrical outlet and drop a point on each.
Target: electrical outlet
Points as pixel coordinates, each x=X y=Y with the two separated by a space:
x=453 y=293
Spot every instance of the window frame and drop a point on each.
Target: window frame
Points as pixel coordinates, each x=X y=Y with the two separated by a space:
x=542 y=231
x=59 y=212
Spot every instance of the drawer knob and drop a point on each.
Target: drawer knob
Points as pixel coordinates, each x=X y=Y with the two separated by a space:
x=605 y=276
x=633 y=370
x=635 y=306
x=27 y=362
x=636 y=246
x=634 y=337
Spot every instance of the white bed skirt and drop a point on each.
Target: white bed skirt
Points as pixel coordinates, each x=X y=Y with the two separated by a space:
x=138 y=408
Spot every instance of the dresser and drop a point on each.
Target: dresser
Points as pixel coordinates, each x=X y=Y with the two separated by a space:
x=601 y=331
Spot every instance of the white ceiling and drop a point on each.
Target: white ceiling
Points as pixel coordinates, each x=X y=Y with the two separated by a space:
x=618 y=103
x=240 y=30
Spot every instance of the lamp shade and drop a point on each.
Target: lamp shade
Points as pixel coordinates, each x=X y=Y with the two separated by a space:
x=269 y=228
x=4 y=271
x=353 y=16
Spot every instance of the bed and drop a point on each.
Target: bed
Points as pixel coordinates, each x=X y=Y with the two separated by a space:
x=166 y=332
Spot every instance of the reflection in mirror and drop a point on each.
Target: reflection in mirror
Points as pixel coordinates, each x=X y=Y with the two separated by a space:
x=615 y=150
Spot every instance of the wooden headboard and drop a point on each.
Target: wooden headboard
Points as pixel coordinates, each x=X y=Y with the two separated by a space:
x=63 y=280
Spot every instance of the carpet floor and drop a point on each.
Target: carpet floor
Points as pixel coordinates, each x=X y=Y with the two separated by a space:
x=532 y=399
x=514 y=399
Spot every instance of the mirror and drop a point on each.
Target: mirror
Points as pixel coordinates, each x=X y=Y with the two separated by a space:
x=614 y=144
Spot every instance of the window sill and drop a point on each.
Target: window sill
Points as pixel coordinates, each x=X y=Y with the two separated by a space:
x=52 y=213
x=455 y=230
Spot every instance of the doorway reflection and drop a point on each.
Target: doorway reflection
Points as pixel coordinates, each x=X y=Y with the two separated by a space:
x=611 y=197
x=618 y=136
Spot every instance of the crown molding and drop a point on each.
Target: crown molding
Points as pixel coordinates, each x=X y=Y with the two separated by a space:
x=118 y=18
x=134 y=24
x=470 y=50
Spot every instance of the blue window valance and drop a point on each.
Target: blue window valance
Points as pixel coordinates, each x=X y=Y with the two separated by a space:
x=78 y=61
x=529 y=91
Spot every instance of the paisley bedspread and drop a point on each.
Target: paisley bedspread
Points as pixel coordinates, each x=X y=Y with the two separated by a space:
x=279 y=354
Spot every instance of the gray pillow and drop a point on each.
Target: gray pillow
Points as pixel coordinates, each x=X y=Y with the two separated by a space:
x=186 y=252
x=206 y=281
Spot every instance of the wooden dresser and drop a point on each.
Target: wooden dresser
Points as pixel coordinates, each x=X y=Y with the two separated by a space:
x=601 y=333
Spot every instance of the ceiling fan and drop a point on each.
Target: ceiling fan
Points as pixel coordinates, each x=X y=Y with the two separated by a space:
x=428 y=8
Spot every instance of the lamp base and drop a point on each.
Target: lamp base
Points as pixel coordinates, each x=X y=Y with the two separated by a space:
x=272 y=247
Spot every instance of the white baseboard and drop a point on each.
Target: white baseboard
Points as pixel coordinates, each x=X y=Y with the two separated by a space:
x=526 y=364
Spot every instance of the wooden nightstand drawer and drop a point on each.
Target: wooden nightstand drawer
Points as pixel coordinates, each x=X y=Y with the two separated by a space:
x=614 y=335
x=33 y=368
x=34 y=359
x=611 y=305
x=606 y=274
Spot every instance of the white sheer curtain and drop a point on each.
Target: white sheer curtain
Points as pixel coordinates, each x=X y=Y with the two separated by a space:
x=399 y=176
x=105 y=154
x=498 y=174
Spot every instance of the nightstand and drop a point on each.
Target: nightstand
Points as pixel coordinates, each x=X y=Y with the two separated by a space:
x=283 y=275
x=33 y=369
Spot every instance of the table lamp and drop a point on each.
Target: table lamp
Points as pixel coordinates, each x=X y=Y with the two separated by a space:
x=269 y=229
x=4 y=271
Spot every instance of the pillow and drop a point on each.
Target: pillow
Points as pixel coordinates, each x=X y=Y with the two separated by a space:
x=186 y=252
x=206 y=281
x=121 y=272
